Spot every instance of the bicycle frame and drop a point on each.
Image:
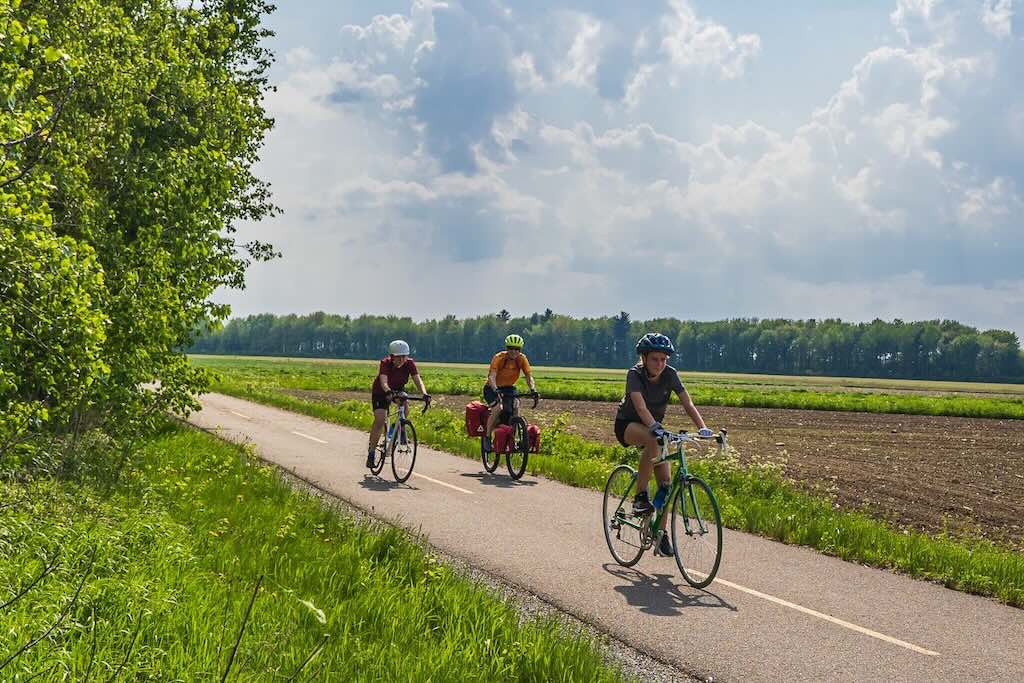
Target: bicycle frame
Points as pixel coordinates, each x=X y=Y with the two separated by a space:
x=669 y=442
x=516 y=399
x=400 y=413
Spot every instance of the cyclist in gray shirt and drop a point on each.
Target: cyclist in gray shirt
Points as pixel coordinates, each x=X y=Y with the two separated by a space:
x=649 y=386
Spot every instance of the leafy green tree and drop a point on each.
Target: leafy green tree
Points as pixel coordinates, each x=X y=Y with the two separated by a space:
x=129 y=136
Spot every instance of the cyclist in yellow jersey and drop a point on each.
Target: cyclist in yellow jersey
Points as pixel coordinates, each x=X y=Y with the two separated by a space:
x=502 y=377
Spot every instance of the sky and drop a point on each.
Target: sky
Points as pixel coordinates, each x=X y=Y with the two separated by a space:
x=687 y=158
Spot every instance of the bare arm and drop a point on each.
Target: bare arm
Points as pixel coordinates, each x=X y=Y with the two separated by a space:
x=529 y=381
x=384 y=382
x=641 y=408
x=691 y=410
x=418 y=381
x=492 y=379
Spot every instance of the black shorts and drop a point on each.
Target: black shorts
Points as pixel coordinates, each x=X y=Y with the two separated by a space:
x=620 y=430
x=379 y=401
x=491 y=396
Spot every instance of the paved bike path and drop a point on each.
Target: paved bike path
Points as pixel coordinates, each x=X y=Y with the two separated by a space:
x=774 y=612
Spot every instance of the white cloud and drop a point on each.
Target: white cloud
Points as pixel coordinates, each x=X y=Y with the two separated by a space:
x=997 y=16
x=921 y=21
x=525 y=72
x=298 y=57
x=474 y=145
x=694 y=43
x=581 y=62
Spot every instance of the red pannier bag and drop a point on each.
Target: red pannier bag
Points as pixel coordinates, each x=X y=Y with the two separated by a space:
x=476 y=418
x=533 y=432
x=502 y=442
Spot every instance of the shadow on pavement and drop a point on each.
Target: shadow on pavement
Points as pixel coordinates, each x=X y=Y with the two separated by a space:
x=501 y=481
x=373 y=483
x=657 y=594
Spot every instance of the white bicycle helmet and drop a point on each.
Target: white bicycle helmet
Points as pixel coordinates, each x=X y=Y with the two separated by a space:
x=398 y=348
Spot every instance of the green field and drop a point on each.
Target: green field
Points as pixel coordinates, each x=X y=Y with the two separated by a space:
x=754 y=498
x=201 y=563
x=958 y=399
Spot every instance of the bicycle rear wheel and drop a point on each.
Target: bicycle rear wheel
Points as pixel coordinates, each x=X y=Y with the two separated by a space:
x=403 y=455
x=622 y=529
x=520 y=452
x=378 y=453
x=490 y=458
x=697 y=532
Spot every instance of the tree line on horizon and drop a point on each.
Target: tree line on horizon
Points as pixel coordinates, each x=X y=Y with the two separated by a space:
x=931 y=349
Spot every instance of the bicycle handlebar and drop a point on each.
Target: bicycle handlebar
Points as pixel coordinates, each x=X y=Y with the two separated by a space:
x=402 y=396
x=685 y=437
x=514 y=393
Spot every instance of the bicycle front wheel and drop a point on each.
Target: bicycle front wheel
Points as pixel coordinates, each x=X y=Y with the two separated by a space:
x=520 y=452
x=622 y=529
x=403 y=451
x=697 y=532
x=490 y=458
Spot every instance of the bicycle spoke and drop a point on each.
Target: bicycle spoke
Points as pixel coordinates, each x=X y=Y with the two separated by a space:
x=623 y=531
x=520 y=451
x=403 y=451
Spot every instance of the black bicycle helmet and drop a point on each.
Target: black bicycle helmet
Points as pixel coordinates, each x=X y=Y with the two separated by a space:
x=655 y=341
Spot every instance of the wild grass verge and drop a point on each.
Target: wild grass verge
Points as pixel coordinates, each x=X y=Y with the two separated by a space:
x=201 y=562
x=754 y=498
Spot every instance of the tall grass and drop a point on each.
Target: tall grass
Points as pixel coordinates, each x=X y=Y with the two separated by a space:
x=754 y=498
x=201 y=548
x=312 y=375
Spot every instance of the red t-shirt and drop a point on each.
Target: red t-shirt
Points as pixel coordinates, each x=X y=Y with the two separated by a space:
x=397 y=376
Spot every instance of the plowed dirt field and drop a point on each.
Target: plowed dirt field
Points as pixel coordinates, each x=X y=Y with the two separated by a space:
x=961 y=475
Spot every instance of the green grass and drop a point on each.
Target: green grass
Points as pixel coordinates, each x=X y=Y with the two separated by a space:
x=755 y=498
x=468 y=380
x=701 y=377
x=167 y=565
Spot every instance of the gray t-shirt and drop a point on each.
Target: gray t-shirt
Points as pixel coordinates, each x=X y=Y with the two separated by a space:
x=656 y=394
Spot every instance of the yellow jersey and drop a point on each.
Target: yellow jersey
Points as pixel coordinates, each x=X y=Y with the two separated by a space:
x=507 y=370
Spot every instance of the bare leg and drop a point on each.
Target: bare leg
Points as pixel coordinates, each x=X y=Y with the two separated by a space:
x=492 y=419
x=639 y=435
x=664 y=475
x=379 y=416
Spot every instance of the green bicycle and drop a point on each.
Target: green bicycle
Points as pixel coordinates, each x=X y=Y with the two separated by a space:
x=696 y=520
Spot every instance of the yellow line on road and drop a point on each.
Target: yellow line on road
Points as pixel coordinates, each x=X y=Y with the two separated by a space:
x=235 y=412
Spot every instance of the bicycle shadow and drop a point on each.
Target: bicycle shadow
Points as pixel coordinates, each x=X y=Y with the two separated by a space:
x=499 y=480
x=658 y=595
x=375 y=483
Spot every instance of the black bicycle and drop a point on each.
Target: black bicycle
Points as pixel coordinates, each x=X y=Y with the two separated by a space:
x=518 y=453
x=398 y=439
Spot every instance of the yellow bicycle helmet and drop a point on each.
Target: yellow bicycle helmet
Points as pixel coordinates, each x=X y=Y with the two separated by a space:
x=514 y=341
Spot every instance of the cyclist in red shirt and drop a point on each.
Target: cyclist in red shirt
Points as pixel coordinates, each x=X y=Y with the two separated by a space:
x=395 y=370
